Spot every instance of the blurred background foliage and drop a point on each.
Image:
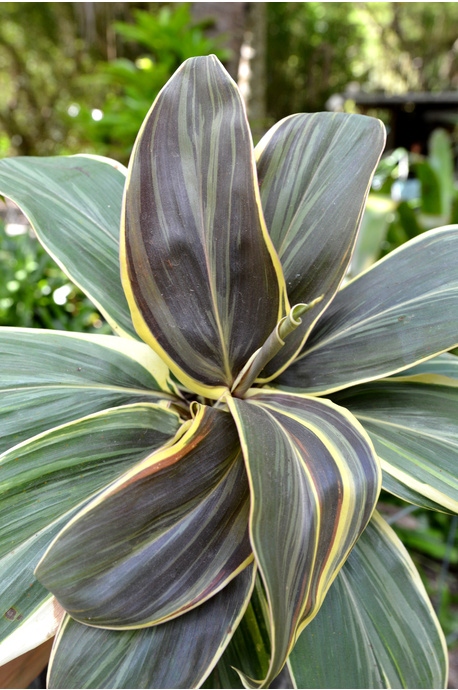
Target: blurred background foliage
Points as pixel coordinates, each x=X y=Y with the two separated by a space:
x=34 y=293
x=80 y=77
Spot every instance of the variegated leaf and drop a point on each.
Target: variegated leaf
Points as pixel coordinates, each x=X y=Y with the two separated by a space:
x=399 y=312
x=376 y=628
x=46 y=479
x=36 y=629
x=74 y=205
x=315 y=173
x=176 y=654
x=165 y=537
x=53 y=377
x=413 y=427
x=314 y=480
x=441 y=370
x=249 y=648
x=202 y=279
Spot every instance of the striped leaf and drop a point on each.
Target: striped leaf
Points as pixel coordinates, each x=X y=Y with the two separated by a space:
x=176 y=654
x=74 y=205
x=45 y=480
x=165 y=537
x=315 y=173
x=413 y=428
x=199 y=270
x=399 y=312
x=39 y=627
x=249 y=648
x=376 y=628
x=314 y=480
x=441 y=370
x=53 y=377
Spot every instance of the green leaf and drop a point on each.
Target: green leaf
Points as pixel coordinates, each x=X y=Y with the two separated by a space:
x=376 y=628
x=372 y=233
x=176 y=654
x=314 y=480
x=400 y=312
x=249 y=648
x=315 y=173
x=200 y=273
x=409 y=220
x=413 y=428
x=165 y=537
x=431 y=202
x=74 y=205
x=53 y=377
x=442 y=370
x=441 y=160
x=45 y=480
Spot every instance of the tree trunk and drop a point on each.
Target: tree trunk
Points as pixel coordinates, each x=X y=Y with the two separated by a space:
x=256 y=39
x=227 y=19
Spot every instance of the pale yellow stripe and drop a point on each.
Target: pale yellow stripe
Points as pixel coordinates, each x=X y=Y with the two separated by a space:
x=430 y=379
x=57 y=639
x=413 y=572
x=422 y=488
x=139 y=352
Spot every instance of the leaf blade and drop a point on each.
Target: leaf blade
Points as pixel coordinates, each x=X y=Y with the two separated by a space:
x=74 y=206
x=413 y=428
x=406 y=317
x=302 y=534
x=183 y=533
x=393 y=622
x=47 y=479
x=169 y=655
x=197 y=263
x=53 y=377
x=315 y=173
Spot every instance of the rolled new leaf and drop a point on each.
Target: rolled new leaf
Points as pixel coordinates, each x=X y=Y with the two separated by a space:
x=399 y=312
x=383 y=628
x=314 y=480
x=161 y=540
x=315 y=173
x=169 y=655
x=200 y=273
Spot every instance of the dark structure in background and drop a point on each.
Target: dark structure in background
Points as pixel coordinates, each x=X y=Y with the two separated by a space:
x=411 y=117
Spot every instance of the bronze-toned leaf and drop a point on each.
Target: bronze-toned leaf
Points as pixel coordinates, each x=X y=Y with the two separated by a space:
x=201 y=275
x=314 y=480
x=161 y=540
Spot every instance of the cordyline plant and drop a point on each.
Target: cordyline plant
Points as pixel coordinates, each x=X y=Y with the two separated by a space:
x=198 y=494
